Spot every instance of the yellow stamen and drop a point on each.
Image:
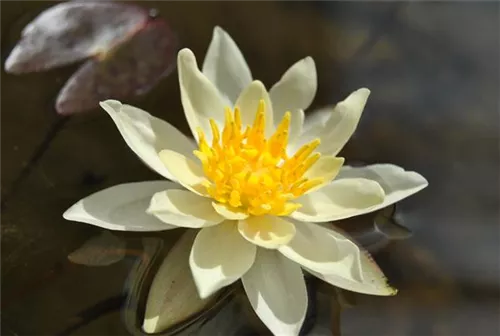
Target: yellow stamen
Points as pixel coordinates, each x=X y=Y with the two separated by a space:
x=252 y=174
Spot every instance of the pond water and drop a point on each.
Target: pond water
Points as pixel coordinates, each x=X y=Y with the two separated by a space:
x=433 y=71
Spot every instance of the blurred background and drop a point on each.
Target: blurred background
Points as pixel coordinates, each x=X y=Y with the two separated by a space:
x=433 y=69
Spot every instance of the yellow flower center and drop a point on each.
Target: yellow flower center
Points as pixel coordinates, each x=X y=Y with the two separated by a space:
x=251 y=174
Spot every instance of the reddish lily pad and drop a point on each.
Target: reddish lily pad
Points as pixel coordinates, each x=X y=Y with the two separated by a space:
x=132 y=68
x=129 y=51
x=72 y=31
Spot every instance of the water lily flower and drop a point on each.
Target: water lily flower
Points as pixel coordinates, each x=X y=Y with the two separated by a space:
x=256 y=183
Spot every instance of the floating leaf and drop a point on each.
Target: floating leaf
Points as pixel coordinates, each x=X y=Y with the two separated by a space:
x=129 y=50
x=102 y=250
x=73 y=31
x=227 y=322
x=131 y=68
x=173 y=299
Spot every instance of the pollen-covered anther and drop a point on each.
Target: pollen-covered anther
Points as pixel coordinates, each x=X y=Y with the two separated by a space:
x=250 y=173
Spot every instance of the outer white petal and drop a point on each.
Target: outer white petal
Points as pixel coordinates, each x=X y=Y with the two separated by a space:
x=248 y=102
x=332 y=257
x=219 y=257
x=146 y=135
x=200 y=98
x=340 y=199
x=225 y=65
x=183 y=208
x=343 y=122
x=396 y=182
x=335 y=129
x=277 y=292
x=323 y=250
x=184 y=170
x=267 y=231
x=316 y=120
x=294 y=92
x=121 y=207
x=312 y=128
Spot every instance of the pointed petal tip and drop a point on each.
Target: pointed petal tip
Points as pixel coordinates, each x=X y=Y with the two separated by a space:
x=310 y=61
x=219 y=30
x=110 y=102
x=75 y=213
x=364 y=90
x=17 y=61
x=149 y=209
x=424 y=183
x=10 y=64
x=186 y=55
x=68 y=214
x=205 y=293
x=258 y=84
x=358 y=97
x=420 y=177
x=111 y=105
x=410 y=174
x=388 y=290
x=149 y=325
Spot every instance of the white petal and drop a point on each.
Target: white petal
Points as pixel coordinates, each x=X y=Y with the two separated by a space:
x=317 y=119
x=267 y=231
x=343 y=122
x=219 y=257
x=336 y=129
x=312 y=128
x=340 y=199
x=327 y=168
x=200 y=98
x=332 y=257
x=294 y=92
x=225 y=65
x=277 y=292
x=183 y=208
x=184 y=170
x=228 y=213
x=146 y=135
x=248 y=102
x=121 y=207
x=296 y=129
x=320 y=250
x=172 y=297
x=396 y=182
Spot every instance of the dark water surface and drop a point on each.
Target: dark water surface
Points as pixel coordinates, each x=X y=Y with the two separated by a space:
x=433 y=69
